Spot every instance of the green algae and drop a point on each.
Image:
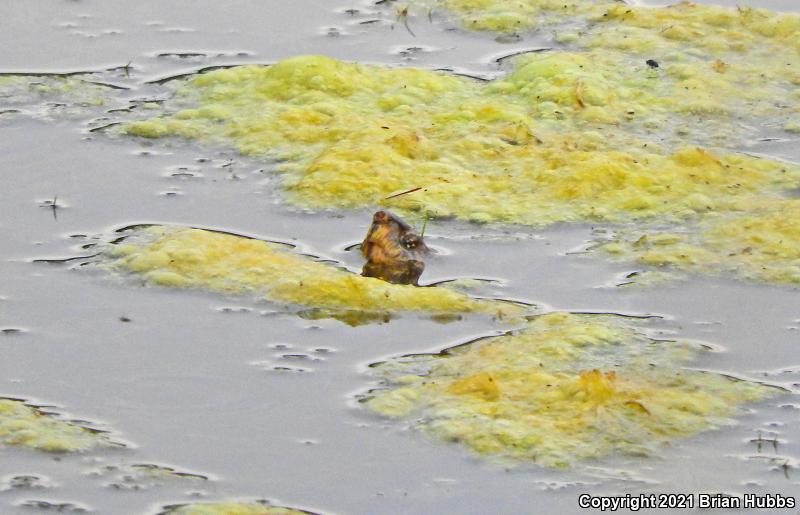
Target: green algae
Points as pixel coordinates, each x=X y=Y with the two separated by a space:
x=27 y=426
x=565 y=388
x=705 y=60
x=354 y=135
x=52 y=95
x=182 y=257
x=707 y=26
x=761 y=244
x=231 y=508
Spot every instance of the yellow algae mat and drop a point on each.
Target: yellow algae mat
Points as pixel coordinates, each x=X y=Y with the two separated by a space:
x=194 y=258
x=231 y=508
x=552 y=139
x=634 y=118
x=762 y=245
x=27 y=426
x=565 y=388
x=708 y=26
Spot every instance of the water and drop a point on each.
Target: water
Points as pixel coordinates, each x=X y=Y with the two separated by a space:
x=189 y=381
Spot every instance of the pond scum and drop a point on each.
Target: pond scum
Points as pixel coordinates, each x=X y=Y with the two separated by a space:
x=195 y=258
x=27 y=426
x=762 y=244
x=231 y=508
x=563 y=389
x=625 y=122
x=51 y=96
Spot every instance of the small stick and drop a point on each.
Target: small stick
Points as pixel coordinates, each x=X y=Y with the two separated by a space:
x=412 y=190
x=54 y=207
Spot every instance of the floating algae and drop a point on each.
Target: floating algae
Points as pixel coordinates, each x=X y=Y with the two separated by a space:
x=740 y=62
x=194 y=258
x=708 y=26
x=763 y=244
x=231 y=508
x=566 y=388
x=543 y=140
x=507 y=17
x=625 y=123
x=737 y=62
x=27 y=426
x=51 y=95
x=493 y=16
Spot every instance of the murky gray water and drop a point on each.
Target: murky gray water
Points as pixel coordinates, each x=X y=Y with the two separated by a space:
x=190 y=384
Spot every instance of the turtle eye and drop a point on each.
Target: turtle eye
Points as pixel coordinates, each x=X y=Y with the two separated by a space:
x=410 y=241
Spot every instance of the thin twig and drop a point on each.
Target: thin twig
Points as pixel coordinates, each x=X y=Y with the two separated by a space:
x=412 y=190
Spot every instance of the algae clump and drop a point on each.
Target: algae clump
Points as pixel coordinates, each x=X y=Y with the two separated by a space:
x=27 y=426
x=52 y=95
x=194 y=258
x=507 y=17
x=493 y=16
x=352 y=135
x=563 y=389
x=705 y=60
x=231 y=508
x=709 y=26
x=761 y=244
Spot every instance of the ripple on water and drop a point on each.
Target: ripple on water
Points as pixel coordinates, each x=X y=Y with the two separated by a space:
x=25 y=482
x=55 y=506
x=145 y=476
